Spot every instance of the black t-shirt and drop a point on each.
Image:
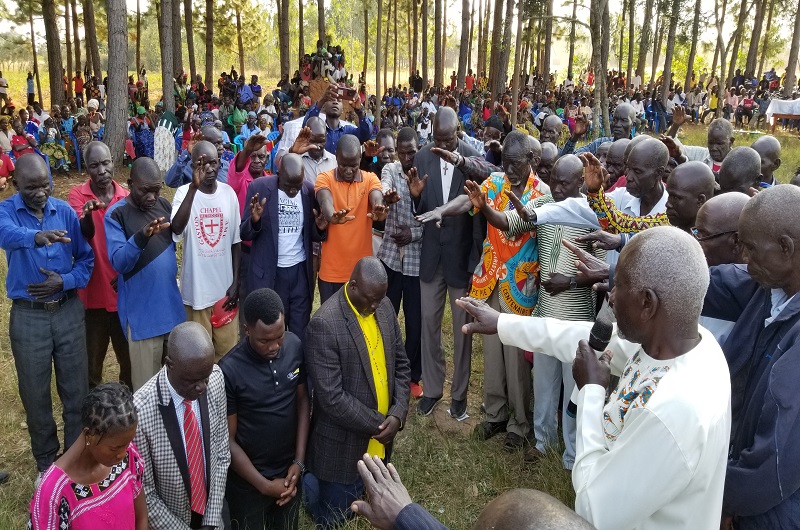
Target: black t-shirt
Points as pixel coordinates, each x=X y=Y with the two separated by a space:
x=263 y=396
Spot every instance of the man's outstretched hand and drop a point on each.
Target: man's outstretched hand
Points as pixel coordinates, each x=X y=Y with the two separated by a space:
x=386 y=493
x=593 y=172
x=485 y=317
x=590 y=269
x=415 y=183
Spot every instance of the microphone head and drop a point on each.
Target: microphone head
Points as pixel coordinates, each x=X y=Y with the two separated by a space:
x=600 y=335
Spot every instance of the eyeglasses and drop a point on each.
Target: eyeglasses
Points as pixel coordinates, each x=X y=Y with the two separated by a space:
x=697 y=236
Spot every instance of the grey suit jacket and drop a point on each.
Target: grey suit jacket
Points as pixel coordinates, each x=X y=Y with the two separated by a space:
x=457 y=244
x=166 y=473
x=345 y=404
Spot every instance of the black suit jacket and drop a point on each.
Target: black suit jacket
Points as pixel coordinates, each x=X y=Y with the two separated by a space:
x=345 y=404
x=453 y=245
x=264 y=252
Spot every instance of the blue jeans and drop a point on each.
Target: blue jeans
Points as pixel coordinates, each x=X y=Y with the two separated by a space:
x=39 y=341
x=283 y=97
x=329 y=502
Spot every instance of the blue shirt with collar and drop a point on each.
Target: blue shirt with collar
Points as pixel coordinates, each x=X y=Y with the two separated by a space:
x=181 y=171
x=362 y=132
x=245 y=94
x=18 y=227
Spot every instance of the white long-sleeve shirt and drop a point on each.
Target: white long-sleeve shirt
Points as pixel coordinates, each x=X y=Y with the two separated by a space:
x=655 y=456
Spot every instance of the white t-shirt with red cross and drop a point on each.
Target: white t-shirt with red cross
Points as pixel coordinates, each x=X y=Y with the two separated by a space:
x=212 y=230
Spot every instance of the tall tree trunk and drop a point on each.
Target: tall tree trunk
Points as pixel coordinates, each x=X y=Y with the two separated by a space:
x=177 y=45
x=765 y=42
x=539 y=47
x=755 y=39
x=90 y=34
x=464 y=48
x=116 y=128
x=719 y=22
x=437 y=42
x=165 y=37
x=76 y=40
x=572 y=36
x=54 y=65
x=321 y=22
x=138 y=65
x=301 y=38
x=444 y=37
x=394 y=49
x=425 y=15
x=210 y=43
x=239 y=43
x=478 y=64
x=658 y=37
x=408 y=41
x=386 y=44
x=673 y=27
x=693 y=48
x=378 y=58
x=497 y=44
x=525 y=51
x=187 y=17
x=414 y=37
x=33 y=48
x=485 y=52
x=366 y=38
x=505 y=49
x=737 y=40
x=548 y=41
x=515 y=80
x=68 y=43
x=720 y=45
x=631 y=24
x=283 y=38
x=644 y=42
x=622 y=33
x=606 y=45
x=471 y=33
x=596 y=34
x=791 y=66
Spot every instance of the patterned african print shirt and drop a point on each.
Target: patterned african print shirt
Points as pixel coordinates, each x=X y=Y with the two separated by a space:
x=510 y=264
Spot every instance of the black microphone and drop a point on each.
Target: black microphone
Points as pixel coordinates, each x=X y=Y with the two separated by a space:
x=599 y=338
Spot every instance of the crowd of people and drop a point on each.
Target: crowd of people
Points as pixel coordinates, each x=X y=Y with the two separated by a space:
x=238 y=403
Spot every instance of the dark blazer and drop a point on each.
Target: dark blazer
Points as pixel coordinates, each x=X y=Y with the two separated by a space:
x=453 y=245
x=264 y=252
x=158 y=439
x=345 y=405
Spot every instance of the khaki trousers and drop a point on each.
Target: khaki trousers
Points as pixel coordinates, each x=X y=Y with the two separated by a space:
x=224 y=338
x=146 y=356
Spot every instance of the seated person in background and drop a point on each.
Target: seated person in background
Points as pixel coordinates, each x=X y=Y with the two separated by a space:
x=22 y=143
x=99 y=478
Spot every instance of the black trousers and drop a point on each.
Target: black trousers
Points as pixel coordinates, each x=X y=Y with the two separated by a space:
x=102 y=325
x=406 y=289
x=252 y=511
x=327 y=289
x=291 y=284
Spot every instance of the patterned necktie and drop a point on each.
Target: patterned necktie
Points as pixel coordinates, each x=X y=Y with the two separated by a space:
x=194 y=456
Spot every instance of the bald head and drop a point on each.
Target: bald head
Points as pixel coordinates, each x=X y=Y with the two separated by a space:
x=145 y=170
x=317 y=126
x=549 y=157
x=367 y=286
x=717 y=224
x=665 y=278
x=523 y=509
x=445 y=129
x=348 y=146
x=189 y=342
x=292 y=166
x=551 y=129
x=204 y=148
x=622 y=122
x=740 y=171
x=633 y=143
x=769 y=150
x=689 y=186
x=95 y=150
x=566 y=178
x=615 y=159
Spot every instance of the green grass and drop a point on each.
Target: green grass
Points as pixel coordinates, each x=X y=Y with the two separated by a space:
x=444 y=469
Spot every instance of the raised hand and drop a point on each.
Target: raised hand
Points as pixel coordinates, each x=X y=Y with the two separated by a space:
x=371 y=148
x=45 y=238
x=52 y=284
x=254 y=143
x=601 y=239
x=341 y=217
x=155 y=226
x=674 y=150
x=434 y=215
x=580 y=127
x=475 y=194
x=379 y=212
x=91 y=205
x=390 y=197
x=256 y=208
x=592 y=172
x=302 y=143
x=199 y=172
x=415 y=184
x=518 y=206
x=450 y=157
x=678 y=116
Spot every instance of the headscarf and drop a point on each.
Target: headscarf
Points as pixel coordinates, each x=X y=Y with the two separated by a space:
x=93 y=104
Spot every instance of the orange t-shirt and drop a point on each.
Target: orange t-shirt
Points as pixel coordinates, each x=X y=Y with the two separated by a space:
x=349 y=242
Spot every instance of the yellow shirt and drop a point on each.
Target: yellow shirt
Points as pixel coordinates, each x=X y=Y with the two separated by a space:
x=377 y=358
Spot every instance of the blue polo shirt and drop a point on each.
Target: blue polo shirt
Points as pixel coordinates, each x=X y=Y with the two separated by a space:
x=148 y=297
x=18 y=226
x=362 y=132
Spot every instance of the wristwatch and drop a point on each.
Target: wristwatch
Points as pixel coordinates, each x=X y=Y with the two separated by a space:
x=573 y=283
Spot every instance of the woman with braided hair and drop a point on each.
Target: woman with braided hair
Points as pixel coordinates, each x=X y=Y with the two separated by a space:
x=97 y=483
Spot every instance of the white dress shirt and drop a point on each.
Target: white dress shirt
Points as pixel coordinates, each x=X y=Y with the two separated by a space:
x=447 y=179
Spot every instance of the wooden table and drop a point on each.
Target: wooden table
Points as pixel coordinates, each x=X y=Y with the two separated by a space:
x=776 y=117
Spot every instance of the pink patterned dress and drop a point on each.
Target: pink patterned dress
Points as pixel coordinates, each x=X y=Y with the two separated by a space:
x=61 y=504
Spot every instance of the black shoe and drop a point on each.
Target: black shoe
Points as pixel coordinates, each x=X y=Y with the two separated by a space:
x=426 y=405
x=514 y=442
x=458 y=410
x=488 y=429
x=532 y=455
x=4 y=476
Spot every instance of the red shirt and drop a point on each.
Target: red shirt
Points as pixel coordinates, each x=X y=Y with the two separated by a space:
x=78 y=84
x=469 y=81
x=21 y=140
x=6 y=165
x=98 y=293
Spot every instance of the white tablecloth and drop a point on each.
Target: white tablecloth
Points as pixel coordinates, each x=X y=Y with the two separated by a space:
x=781 y=106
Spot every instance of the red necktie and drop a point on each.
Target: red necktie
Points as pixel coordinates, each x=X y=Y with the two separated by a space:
x=194 y=455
